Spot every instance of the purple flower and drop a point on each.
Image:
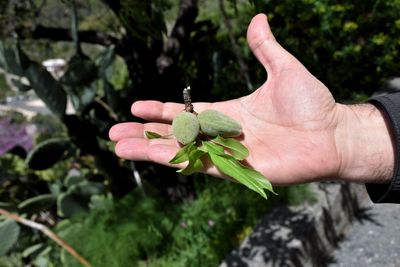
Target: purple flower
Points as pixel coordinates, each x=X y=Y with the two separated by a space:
x=13 y=135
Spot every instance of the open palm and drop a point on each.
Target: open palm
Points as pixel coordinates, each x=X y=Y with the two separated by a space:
x=289 y=123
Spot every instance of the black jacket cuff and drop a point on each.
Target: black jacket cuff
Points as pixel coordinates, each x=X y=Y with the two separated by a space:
x=389 y=193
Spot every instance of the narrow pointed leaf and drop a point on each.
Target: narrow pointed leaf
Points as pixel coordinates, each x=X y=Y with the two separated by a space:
x=152 y=135
x=238 y=150
x=255 y=175
x=183 y=154
x=15 y=60
x=195 y=164
x=33 y=250
x=37 y=203
x=234 y=170
x=211 y=147
x=230 y=166
x=261 y=179
x=12 y=59
x=47 y=89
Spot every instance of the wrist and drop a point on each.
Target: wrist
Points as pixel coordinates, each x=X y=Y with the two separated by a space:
x=365 y=144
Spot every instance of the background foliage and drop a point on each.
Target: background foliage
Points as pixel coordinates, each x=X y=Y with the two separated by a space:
x=124 y=50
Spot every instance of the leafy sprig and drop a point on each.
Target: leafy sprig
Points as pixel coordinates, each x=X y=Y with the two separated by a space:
x=224 y=153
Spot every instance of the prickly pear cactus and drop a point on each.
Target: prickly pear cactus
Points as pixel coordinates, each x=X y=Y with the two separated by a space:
x=77 y=198
x=47 y=153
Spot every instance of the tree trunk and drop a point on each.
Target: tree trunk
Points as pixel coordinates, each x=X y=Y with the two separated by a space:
x=152 y=66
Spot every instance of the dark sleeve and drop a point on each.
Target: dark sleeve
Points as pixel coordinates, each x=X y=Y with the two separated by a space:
x=389 y=193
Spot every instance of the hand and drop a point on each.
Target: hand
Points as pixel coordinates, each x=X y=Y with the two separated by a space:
x=292 y=126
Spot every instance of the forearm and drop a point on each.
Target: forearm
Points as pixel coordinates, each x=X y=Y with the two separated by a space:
x=365 y=144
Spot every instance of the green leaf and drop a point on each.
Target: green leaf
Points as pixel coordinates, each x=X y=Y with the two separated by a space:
x=47 y=153
x=81 y=71
x=190 y=153
x=112 y=97
x=233 y=168
x=73 y=180
x=78 y=81
x=239 y=151
x=9 y=232
x=81 y=96
x=105 y=61
x=105 y=65
x=77 y=198
x=34 y=249
x=20 y=85
x=209 y=147
x=37 y=203
x=12 y=59
x=47 y=89
x=195 y=163
x=70 y=204
x=243 y=175
x=183 y=154
x=152 y=135
x=8 y=206
x=87 y=188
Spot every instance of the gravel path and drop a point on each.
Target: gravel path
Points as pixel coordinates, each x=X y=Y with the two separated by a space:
x=373 y=240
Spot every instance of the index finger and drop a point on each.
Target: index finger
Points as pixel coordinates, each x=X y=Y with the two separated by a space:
x=162 y=112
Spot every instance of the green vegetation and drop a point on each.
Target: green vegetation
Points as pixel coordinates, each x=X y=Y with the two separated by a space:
x=5 y=89
x=352 y=46
x=119 y=52
x=146 y=230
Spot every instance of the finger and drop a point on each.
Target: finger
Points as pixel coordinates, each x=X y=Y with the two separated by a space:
x=137 y=130
x=159 y=151
x=162 y=112
x=156 y=110
x=139 y=148
x=264 y=45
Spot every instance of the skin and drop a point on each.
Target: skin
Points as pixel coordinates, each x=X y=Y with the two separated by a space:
x=292 y=126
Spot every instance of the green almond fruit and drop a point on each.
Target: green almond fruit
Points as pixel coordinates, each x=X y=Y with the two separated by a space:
x=214 y=123
x=185 y=127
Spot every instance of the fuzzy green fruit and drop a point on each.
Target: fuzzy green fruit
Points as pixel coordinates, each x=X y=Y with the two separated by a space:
x=214 y=123
x=185 y=127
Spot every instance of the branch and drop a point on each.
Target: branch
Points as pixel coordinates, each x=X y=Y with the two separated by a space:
x=48 y=233
x=179 y=36
x=244 y=70
x=74 y=28
x=60 y=34
x=115 y=5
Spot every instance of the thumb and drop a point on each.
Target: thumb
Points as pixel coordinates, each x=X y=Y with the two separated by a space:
x=265 y=47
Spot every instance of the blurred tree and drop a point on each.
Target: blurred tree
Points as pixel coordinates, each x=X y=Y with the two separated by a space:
x=151 y=57
x=352 y=46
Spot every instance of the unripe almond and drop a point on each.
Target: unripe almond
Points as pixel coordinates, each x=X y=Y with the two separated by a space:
x=185 y=127
x=214 y=123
